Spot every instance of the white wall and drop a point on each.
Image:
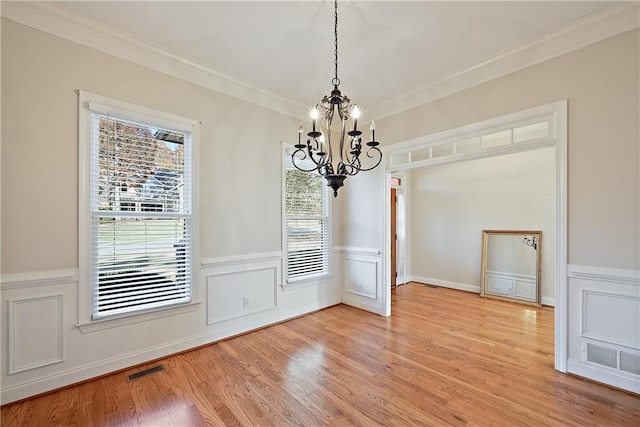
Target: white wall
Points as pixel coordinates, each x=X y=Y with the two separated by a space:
x=361 y=239
x=451 y=204
x=239 y=216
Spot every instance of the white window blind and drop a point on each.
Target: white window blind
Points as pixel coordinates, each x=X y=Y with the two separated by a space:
x=308 y=235
x=141 y=206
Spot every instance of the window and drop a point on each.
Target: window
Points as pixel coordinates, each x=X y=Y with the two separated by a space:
x=307 y=224
x=137 y=197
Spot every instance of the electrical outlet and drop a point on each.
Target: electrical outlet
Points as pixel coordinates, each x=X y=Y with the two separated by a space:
x=359 y=286
x=246 y=302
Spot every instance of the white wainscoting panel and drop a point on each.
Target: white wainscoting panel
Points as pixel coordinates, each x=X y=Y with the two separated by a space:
x=603 y=314
x=604 y=325
x=236 y=290
x=35 y=333
x=362 y=275
x=512 y=285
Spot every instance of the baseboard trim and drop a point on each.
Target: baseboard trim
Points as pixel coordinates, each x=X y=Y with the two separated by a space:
x=354 y=301
x=603 y=375
x=108 y=366
x=551 y=302
x=465 y=287
x=446 y=284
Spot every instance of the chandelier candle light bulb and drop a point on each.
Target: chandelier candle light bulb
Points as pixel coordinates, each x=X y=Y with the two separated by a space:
x=355 y=113
x=319 y=149
x=314 y=117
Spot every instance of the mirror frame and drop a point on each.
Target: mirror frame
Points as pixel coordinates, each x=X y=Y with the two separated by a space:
x=483 y=281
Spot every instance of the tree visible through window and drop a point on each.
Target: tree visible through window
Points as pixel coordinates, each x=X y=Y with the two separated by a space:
x=140 y=216
x=307 y=225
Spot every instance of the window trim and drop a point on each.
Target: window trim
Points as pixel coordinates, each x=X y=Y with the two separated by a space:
x=87 y=103
x=316 y=279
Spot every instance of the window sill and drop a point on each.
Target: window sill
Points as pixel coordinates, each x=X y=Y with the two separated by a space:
x=100 y=325
x=303 y=283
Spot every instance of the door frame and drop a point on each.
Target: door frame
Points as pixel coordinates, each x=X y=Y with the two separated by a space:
x=556 y=115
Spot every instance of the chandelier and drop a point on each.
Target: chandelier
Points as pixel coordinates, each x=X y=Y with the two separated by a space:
x=335 y=116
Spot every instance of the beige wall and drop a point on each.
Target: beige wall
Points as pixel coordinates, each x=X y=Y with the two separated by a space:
x=239 y=214
x=601 y=82
x=452 y=203
x=239 y=151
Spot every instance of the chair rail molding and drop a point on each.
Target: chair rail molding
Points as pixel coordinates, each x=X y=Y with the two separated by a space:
x=38 y=278
x=601 y=274
x=240 y=259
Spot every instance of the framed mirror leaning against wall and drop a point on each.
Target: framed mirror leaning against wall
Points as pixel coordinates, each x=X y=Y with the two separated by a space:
x=511 y=266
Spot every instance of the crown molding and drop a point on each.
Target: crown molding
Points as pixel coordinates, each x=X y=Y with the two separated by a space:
x=608 y=22
x=78 y=28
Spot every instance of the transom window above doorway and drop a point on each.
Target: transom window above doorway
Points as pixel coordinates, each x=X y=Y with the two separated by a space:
x=512 y=134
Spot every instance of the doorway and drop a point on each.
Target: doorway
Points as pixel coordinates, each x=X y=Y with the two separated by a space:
x=398 y=235
x=538 y=127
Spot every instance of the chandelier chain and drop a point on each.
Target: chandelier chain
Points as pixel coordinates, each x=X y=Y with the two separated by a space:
x=351 y=155
x=336 y=80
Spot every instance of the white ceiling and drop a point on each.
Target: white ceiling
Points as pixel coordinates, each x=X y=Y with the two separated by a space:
x=387 y=49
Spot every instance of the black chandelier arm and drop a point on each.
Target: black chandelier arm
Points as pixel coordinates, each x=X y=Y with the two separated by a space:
x=369 y=155
x=293 y=160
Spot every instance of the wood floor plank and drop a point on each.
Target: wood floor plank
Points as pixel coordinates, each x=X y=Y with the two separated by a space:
x=444 y=358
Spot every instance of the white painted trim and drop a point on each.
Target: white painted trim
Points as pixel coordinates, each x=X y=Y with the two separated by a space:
x=38 y=278
x=229 y=270
x=78 y=28
x=101 y=325
x=464 y=287
x=355 y=300
x=240 y=259
x=511 y=275
x=601 y=274
x=98 y=368
x=561 y=303
x=609 y=22
x=549 y=113
x=87 y=104
x=67 y=24
x=355 y=250
x=446 y=284
x=366 y=259
x=583 y=316
x=603 y=375
x=551 y=302
x=12 y=369
x=557 y=112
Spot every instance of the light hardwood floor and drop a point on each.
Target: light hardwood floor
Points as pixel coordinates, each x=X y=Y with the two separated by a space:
x=443 y=358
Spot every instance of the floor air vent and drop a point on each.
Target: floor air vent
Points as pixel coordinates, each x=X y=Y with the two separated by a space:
x=630 y=362
x=145 y=372
x=602 y=355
